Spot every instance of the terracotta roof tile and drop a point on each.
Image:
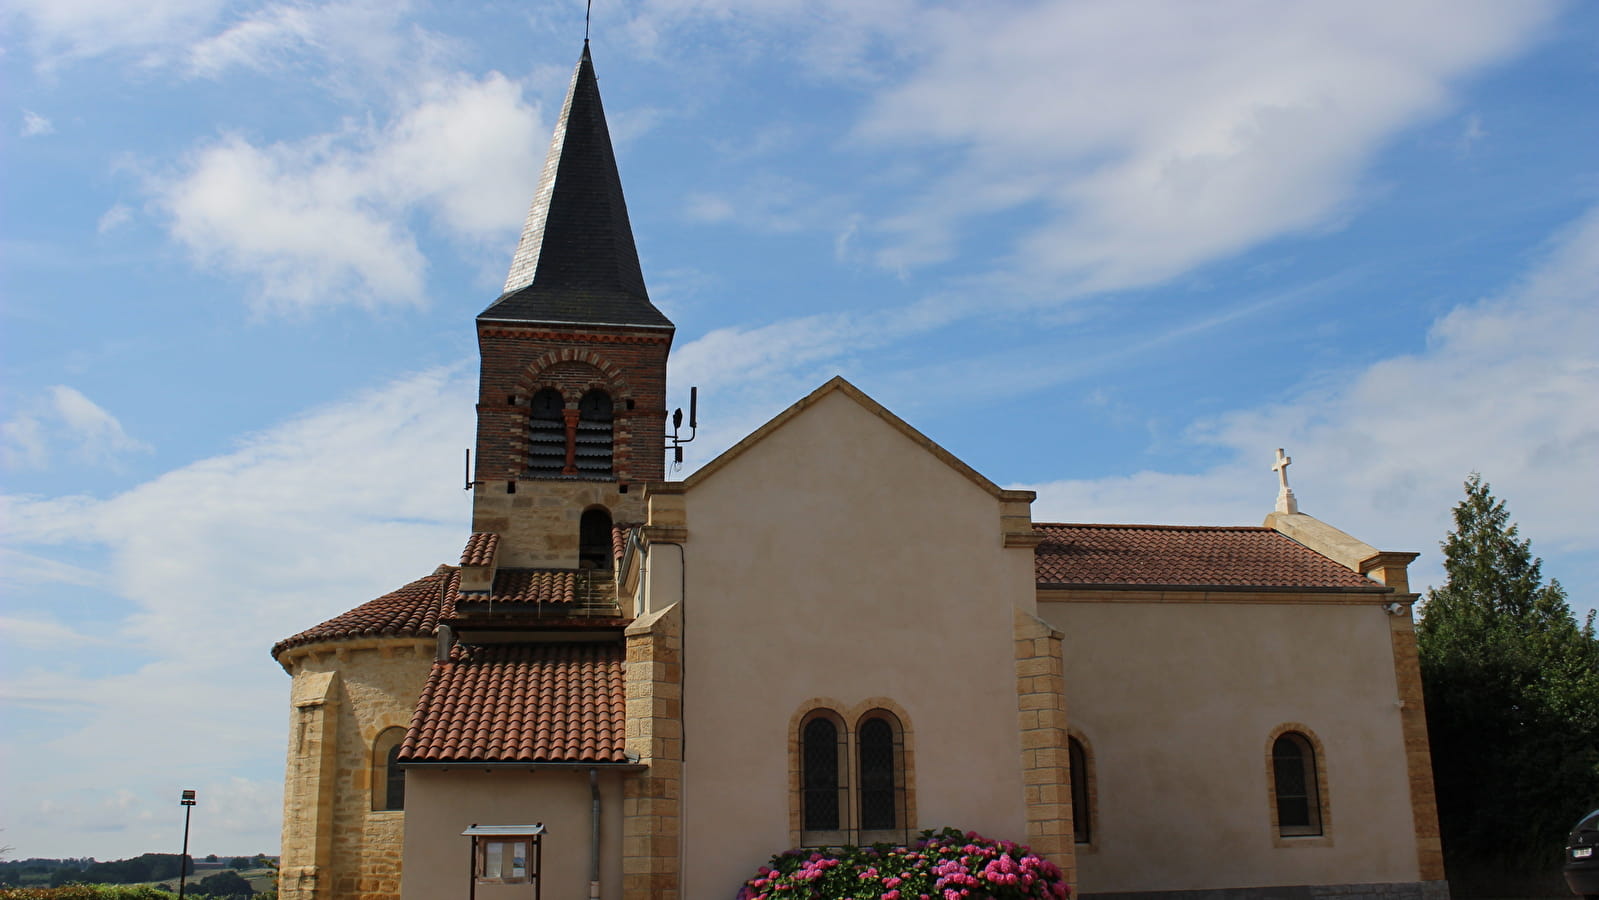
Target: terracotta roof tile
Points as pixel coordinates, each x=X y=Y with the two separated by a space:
x=528 y=586
x=480 y=549
x=1184 y=556
x=619 y=533
x=560 y=702
x=411 y=611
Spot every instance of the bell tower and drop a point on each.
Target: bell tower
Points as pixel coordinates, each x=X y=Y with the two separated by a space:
x=571 y=410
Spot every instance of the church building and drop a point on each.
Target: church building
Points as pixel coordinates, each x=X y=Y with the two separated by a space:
x=835 y=632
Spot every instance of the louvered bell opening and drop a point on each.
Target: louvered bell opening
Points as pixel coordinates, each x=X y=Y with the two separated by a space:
x=592 y=445
x=546 y=434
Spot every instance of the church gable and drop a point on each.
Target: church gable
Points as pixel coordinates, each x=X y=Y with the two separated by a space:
x=846 y=583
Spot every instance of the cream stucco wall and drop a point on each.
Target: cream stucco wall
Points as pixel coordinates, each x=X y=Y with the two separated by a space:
x=838 y=557
x=441 y=803
x=1178 y=701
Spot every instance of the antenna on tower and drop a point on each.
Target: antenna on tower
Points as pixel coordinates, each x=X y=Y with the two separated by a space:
x=675 y=442
x=469 y=482
x=588 y=11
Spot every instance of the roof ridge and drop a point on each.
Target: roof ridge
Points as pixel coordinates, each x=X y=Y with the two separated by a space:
x=1152 y=527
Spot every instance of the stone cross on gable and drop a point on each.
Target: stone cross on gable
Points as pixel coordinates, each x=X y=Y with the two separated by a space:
x=1285 y=495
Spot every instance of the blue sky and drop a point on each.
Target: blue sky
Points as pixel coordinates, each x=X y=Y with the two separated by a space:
x=1114 y=253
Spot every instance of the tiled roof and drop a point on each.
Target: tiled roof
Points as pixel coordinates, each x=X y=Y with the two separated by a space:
x=411 y=611
x=480 y=549
x=561 y=702
x=529 y=586
x=619 y=533
x=1184 y=556
x=576 y=261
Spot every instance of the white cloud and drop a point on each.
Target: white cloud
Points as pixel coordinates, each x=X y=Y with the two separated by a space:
x=300 y=523
x=323 y=221
x=350 y=47
x=82 y=28
x=1508 y=386
x=35 y=125
x=1160 y=135
x=114 y=218
x=42 y=633
x=64 y=420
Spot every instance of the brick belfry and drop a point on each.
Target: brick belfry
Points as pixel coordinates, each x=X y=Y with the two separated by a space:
x=570 y=426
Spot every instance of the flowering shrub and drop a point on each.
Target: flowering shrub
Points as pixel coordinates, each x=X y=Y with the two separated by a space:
x=943 y=865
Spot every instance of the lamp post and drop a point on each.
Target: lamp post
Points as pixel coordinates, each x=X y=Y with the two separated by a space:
x=183 y=858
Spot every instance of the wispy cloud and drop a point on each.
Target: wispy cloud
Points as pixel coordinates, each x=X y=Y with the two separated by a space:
x=64 y=421
x=1508 y=386
x=1156 y=136
x=35 y=125
x=301 y=522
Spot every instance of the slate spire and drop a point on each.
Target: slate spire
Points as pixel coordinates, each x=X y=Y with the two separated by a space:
x=576 y=262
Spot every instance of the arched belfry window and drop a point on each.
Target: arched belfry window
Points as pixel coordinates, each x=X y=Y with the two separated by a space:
x=594 y=539
x=822 y=786
x=880 y=759
x=546 y=433
x=593 y=441
x=1296 y=786
x=388 y=779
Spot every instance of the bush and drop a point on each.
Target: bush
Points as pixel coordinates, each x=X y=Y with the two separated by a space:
x=943 y=865
x=86 y=892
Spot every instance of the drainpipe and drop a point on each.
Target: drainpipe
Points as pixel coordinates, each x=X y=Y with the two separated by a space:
x=594 y=836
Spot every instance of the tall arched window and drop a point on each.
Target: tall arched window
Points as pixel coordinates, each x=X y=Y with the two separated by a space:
x=1082 y=795
x=880 y=757
x=821 y=783
x=388 y=779
x=593 y=440
x=546 y=434
x=1296 y=786
x=594 y=539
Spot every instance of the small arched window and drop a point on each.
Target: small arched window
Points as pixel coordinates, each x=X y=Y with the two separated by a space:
x=546 y=433
x=821 y=782
x=388 y=778
x=594 y=539
x=594 y=439
x=1082 y=796
x=880 y=754
x=1296 y=786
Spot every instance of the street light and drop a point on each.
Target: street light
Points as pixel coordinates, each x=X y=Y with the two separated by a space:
x=183 y=858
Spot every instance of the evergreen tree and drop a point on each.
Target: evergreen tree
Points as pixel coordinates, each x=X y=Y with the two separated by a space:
x=1512 y=690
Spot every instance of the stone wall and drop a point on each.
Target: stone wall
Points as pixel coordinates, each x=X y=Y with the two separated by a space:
x=1046 y=770
x=335 y=846
x=538 y=524
x=652 y=799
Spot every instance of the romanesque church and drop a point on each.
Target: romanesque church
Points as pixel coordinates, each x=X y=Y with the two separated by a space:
x=834 y=632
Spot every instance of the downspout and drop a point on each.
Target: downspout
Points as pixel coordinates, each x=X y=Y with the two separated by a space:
x=594 y=835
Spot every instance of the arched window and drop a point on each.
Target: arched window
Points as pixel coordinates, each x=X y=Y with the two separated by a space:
x=1082 y=794
x=822 y=786
x=880 y=757
x=594 y=539
x=1296 y=785
x=546 y=434
x=388 y=779
x=593 y=441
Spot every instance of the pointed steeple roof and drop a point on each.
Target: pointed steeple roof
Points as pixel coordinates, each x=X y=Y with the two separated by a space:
x=576 y=262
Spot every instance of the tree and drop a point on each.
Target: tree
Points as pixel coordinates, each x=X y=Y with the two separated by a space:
x=1512 y=689
x=226 y=883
